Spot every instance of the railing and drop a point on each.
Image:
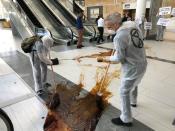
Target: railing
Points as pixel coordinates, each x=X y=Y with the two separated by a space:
x=66 y=32
x=33 y=27
x=80 y=2
x=92 y=28
x=86 y=34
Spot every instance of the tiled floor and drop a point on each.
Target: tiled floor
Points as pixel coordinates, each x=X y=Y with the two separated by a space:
x=156 y=92
x=17 y=99
x=156 y=105
x=30 y=118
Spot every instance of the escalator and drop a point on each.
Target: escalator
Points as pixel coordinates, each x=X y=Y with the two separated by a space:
x=67 y=19
x=47 y=20
x=21 y=6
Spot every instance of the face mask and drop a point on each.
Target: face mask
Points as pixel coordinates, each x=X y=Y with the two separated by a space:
x=111 y=32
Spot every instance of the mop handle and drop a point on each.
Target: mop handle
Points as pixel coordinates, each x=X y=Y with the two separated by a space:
x=53 y=75
x=106 y=71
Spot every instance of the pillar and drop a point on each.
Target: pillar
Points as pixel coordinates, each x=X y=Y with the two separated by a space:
x=140 y=9
x=154 y=8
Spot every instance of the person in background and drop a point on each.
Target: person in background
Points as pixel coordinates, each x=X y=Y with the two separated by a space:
x=80 y=29
x=96 y=20
x=124 y=18
x=160 y=29
x=130 y=52
x=128 y=17
x=39 y=60
x=100 y=24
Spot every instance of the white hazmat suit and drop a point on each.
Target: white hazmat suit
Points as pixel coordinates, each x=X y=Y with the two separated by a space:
x=40 y=60
x=131 y=54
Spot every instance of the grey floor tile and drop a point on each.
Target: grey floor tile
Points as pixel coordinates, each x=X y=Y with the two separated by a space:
x=12 y=87
x=106 y=125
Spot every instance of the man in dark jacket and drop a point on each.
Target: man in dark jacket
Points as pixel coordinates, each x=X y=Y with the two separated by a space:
x=79 y=25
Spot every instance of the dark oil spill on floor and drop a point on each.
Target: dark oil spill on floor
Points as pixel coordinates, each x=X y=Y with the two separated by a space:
x=83 y=114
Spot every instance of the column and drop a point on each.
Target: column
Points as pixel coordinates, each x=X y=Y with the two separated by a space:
x=140 y=9
x=154 y=8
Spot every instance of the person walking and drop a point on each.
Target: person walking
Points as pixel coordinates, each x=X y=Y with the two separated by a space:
x=160 y=29
x=80 y=29
x=100 y=24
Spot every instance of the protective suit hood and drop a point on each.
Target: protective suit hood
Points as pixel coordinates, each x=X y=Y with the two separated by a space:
x=127 y=25
x=47 y=41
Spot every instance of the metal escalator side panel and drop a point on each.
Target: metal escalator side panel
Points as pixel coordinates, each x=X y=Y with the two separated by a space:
x=47 y=20
x=18 y=24
x=89 y=32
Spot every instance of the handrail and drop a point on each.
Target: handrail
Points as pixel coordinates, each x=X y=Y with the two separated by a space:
x=95 y=32
x=90 y=25
x=72 y=34
x=36 y=29
x=88 y=30
x=29 y=22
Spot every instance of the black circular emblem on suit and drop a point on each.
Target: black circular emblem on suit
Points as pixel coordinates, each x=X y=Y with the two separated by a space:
x=135 y=37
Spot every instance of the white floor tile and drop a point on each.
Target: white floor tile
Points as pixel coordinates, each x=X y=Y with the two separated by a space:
x=12 y=87
x=71 y=70
x=4 y=68
x=157 y=115
x=164 y=50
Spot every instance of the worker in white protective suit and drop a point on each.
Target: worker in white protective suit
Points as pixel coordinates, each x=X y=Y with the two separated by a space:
x=130 y=52
x=40 y=60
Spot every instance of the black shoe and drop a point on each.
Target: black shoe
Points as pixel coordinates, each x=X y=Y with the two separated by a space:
x=40 y=92
x=79 y=47
x=47 y=85
x=173 y=122
x=119 y=122
x=134 y=105
x=98 y=43
x=82 y=45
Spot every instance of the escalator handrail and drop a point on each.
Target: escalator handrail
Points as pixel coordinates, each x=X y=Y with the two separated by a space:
x=86 y=29
x=95 y=32
x=35 y=28
x=56 y=18
x=29 y=22
x=90 y=25
x=72 y=33
x=7 y=120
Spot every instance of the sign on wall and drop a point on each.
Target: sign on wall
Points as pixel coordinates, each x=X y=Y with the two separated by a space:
x=147 y=25
x=94 y=13
x=127 y=6
x=165 y=10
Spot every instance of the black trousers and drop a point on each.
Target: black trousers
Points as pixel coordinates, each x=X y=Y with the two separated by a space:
x=101 y=31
